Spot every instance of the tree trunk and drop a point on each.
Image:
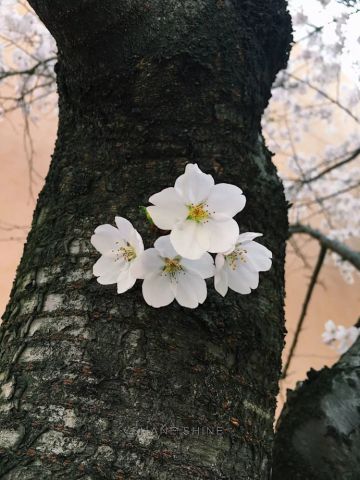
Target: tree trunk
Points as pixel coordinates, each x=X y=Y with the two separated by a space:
x=101 y=386
x=318 y=435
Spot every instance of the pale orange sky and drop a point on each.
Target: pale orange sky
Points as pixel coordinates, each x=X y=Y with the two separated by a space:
x=333 y=299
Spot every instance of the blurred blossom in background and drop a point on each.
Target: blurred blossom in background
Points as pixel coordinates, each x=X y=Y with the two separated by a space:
x=311 y=124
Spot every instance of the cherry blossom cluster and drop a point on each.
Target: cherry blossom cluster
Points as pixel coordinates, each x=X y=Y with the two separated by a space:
x=338 y=336
x=27 y=59
x=199 y=216
x=312 y=122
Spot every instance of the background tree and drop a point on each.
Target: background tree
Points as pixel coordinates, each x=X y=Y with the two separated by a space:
x=318 y=433
x=310 y=98
x=90 y=379
x=314 y=91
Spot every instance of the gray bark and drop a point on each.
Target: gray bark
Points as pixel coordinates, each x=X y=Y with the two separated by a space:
x=91 y=379
x=318 y=434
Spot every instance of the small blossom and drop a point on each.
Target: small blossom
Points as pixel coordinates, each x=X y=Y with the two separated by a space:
x=238 y=269
x=300 y=18
x=168 y=276
x=119 y=247
x=198 y=213
x=329 y=334
x=345 y=337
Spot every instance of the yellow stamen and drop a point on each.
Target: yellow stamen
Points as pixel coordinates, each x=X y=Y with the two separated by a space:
x=172 y=266
x=198 y=213
x=128 y=252
x=239 y=254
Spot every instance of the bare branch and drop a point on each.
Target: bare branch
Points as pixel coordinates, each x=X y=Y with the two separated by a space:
x=331 y=195
x=345 y=252
x=318 y=29
x=353 y=155
x=324 y=94
x=306 y=303
x=29 y=71
x=298 y=252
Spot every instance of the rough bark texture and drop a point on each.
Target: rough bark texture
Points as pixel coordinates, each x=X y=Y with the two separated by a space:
x=318 y=435
x=92 y=381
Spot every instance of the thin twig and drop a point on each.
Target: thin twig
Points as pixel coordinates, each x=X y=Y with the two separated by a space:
x=308 y=296
x=324 y=94
x=30 y=71
x=321 y=27
x=331 y=195
x=298 y=252
x=351 y=157
x=345 y=252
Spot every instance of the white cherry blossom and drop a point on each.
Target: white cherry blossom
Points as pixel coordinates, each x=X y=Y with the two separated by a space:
x=329 y=334
x=238 y=269
x=168 y=276
x=345 y=337
x=198 y=213
x=119 y=247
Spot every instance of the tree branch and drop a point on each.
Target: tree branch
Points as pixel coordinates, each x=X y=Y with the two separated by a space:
x=30 y=71
x=300 y=323
x=324 y=94
x=348 y=159
x=345 y=252
x=317 y=435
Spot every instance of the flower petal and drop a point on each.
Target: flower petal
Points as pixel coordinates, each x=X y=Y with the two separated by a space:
x=125 y=281
x=104 y=239
x=327 y=337
x=146 y=264
x=194 y=185
x=157 y=291
x=202 y=236
x=226 y=198
x=353 y=333
x=168 y=198
x=219 y=261
x=222 y=234
x=340 y=332
x=111 y=276
x=221 y=282
x=237 y=282
x=190 y=290
x=258 y=256
x=204 y=266
x=164 y=218
x=247 y=237
x=183 y=239
x=169 y=208
x=330 y=326
x=165 y=248
x=124 y=227
x=249 y=276
x=105 y=265
x=136 y=242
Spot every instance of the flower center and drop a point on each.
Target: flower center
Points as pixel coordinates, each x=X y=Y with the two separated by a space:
x=239 y=254
x=198 y=213
x=172 y=266
x=128 y=252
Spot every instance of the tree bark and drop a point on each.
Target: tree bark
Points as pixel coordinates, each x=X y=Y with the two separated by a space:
x=100 y=386
x=318 y=435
